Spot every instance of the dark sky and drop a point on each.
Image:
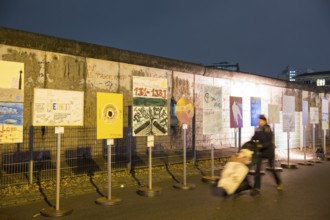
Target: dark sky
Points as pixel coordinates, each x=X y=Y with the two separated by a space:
x=262 y=36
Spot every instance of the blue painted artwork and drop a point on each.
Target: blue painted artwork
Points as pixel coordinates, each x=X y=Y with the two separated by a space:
x=255 y=110
x=11 y=113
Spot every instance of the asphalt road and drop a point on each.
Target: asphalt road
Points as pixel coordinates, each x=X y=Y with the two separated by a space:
x=305 y=196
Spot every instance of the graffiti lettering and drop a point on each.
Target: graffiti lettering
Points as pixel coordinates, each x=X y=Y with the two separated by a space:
x=155 y=93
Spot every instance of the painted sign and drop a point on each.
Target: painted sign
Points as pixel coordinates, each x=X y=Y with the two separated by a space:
x=149 y=115
x=184 y=110
x=273 y=114
x=255 y=110
x=325 y=114
x=109 y=115
x=288 y=114
x=236 y=112
x=212 y=106
x=305 y=112
x=11 y=122
x=12 y=81
x=11 y=101
x=314 y=115
x=58 y=108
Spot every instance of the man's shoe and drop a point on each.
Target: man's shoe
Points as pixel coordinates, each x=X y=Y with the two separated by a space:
x=255 y=192
x=279 y=187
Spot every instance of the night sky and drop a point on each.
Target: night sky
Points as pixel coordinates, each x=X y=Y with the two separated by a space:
x=264 y=37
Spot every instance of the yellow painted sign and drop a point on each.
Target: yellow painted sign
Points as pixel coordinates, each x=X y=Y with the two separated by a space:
x=12 y=81
x=109 y=115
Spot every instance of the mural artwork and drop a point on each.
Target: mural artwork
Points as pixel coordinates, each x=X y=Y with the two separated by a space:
x=212 y=107
x=11 y=102
x=236 y=112
x=109 y=115
x=58 y=108
x=149 y=115
x=255 y=110
x=11 y=122
x=288 y=113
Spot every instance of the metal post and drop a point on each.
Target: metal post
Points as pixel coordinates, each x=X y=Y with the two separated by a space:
x=184 y=185
x=314 y=160
x=288 y=164
x=305 y=146
x=150 y=191
x=58 y=171
x=57 y=212
x=288 y=134
x=109 y=200
x=184 y=157
x=236 y=140
x=150 y=168
x=109 y=171
x=212 y=160
x=31 y=147
x=239 y=138
x=324 y=143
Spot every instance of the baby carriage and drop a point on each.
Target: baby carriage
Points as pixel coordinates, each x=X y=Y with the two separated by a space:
x=234 y=175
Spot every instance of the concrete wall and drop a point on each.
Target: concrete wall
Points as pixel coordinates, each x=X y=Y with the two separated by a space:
x=69 y=65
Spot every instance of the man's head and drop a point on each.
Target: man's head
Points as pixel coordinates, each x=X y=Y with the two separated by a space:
x=262 y=120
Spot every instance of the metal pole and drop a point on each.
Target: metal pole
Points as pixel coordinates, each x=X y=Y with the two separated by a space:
x=239 y=138
x=212 y=160
x=314 y=142
x=184 y=157
x=31 y=147
x=58 y=171
x=109 y=171
x=150 y=167
x=236 y=139
x=324 y=142
x=304 y=142
x=288 y=148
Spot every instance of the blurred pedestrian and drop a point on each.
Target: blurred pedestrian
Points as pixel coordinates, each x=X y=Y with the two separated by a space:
x=263 y=136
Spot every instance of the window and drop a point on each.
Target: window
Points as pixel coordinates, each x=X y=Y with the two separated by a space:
x=320 y=82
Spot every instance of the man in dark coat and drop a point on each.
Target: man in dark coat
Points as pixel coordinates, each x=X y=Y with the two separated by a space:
x=263 y=136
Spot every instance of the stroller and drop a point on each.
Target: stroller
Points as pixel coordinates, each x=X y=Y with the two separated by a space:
x=234 y=175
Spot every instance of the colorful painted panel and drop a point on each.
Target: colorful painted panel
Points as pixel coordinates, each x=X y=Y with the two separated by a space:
x=109 y=115
x=325 y=114
x=150 y=120
x=255 y=110
x=314 y=115
x=304 y=112
x=58 y=108
x=288 y=113
x=149 y=115
x=273 y=114
x=212 y=106
x=12 y=81
x=236 y=112
x=11 y=122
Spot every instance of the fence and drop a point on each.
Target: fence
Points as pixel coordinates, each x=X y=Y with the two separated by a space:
x=81 y=154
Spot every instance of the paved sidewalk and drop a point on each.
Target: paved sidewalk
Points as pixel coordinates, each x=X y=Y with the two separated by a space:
x=305 y=197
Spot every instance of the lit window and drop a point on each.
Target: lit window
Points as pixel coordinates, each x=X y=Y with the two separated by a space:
x=320 y=82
